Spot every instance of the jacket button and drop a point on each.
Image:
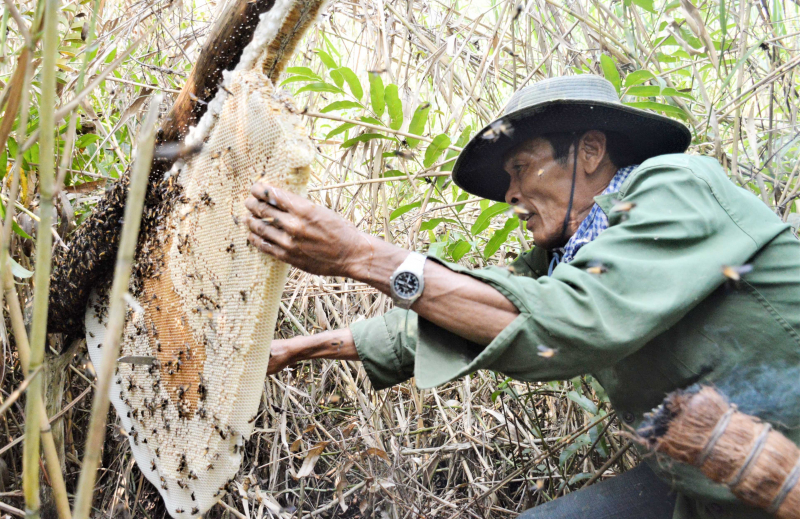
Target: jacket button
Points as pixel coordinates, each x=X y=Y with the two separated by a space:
x=628 y=417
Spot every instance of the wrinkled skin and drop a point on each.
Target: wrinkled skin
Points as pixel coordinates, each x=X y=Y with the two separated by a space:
x=319 y=241
x=541 y=186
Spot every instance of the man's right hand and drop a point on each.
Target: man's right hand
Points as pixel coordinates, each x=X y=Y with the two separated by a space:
x=333 y=344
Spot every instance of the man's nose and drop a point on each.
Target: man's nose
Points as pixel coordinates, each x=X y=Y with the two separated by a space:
x=513 y=194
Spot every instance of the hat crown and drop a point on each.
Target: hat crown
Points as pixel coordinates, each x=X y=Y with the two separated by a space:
x=585 y=87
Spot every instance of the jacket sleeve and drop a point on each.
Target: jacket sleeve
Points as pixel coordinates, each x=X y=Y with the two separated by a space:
x=386 y=346
x=658 y=261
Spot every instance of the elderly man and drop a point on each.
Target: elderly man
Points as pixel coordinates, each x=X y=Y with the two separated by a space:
x=626 y=280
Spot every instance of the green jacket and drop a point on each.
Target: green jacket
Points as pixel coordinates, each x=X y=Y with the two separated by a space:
x=662 y=317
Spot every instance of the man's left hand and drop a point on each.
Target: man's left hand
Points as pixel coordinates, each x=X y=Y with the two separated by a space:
x=305 y=235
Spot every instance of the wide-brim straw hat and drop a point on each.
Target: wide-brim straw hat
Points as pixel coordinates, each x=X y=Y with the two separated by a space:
x=562 y=104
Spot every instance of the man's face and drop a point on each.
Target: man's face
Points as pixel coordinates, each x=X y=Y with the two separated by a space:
x=541 y=186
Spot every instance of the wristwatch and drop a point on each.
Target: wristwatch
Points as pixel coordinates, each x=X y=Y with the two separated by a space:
x=407 y=281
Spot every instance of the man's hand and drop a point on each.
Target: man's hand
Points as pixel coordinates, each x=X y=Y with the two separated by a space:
x=303 y=234
x=335 y=344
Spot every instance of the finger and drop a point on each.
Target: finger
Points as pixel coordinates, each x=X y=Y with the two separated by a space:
x=270 y=233
x=266 y=247
x=283 y=200
x=261 y=209
x=273 y=216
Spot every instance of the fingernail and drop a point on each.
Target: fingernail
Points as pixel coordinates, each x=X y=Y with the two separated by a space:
x=271 y=196
x=268 y=220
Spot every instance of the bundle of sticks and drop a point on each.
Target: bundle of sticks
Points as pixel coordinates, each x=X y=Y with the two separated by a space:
x=700 y=427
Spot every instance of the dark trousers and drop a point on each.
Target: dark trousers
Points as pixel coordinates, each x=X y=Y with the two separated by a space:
x=636 y=494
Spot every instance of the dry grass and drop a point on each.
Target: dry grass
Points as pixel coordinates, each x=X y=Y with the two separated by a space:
x=482 y=446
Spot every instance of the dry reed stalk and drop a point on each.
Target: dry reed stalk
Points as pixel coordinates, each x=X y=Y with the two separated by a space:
x=117 y=311
x=700 y=427
x=44 y=239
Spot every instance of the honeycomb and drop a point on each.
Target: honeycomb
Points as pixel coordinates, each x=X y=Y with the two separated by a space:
x=207 y=310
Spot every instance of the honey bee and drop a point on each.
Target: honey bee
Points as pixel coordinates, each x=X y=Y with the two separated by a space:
x=735 y=273
x=597 y=268
x=545 y=352
x=498 y=128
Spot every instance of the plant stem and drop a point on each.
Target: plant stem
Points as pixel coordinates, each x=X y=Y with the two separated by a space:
x=117 y=311
x=44 y=239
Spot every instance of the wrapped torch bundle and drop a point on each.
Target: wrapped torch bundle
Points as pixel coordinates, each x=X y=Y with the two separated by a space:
x=700 y=427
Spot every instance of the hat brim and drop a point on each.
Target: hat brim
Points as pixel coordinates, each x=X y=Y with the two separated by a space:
x=479 y=167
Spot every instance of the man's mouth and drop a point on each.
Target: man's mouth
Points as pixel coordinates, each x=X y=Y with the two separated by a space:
x=523 y=214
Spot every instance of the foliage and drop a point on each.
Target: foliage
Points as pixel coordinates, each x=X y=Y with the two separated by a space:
x=392 y=91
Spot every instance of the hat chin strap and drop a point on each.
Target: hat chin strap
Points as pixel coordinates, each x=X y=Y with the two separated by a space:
x=571 y=191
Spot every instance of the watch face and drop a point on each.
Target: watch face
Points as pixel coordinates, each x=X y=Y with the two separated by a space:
x=406 y=285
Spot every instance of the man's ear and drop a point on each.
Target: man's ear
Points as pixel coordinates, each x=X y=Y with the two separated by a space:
x=592 y=150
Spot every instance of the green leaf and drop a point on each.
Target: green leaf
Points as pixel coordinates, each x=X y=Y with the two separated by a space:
x=671 y=92
x=610 y=70
x=341 y=105
x=460 y=143
x=499 y=237
x=435 y=149
x=339 y=129
x=376 y=94
x=740 y=63
x=303 y=71
x=647 y=5
x=394 y=107
x=372 y=120
x=483 y=220
x=326 y=59
x=461 y=197
x=19 y=271
x=3 y=164
x=364 y=138
x=320 y=87
x=296 y=79
x=458 y=249
x=353 y=82
x=14 y=225
x=417 y=125
x=643 y=91
x=337 y=78
x=637 y=77
x=571 y=449
x=433 y=223
x=403 y=209
x=585 y=403
x=661 y=107
x=86 y=139
x=723 y=18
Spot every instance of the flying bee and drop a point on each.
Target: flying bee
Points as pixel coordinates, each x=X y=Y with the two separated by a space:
x=182 y=484
x=498 y=128
x=192 y=475
x=163 y=483
x=621 y=206
x=735 y=273
x=403 y=154
x=597 y=268
x=545 y=352
x=193 y=498
x=153 y=465
x=195 y=510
